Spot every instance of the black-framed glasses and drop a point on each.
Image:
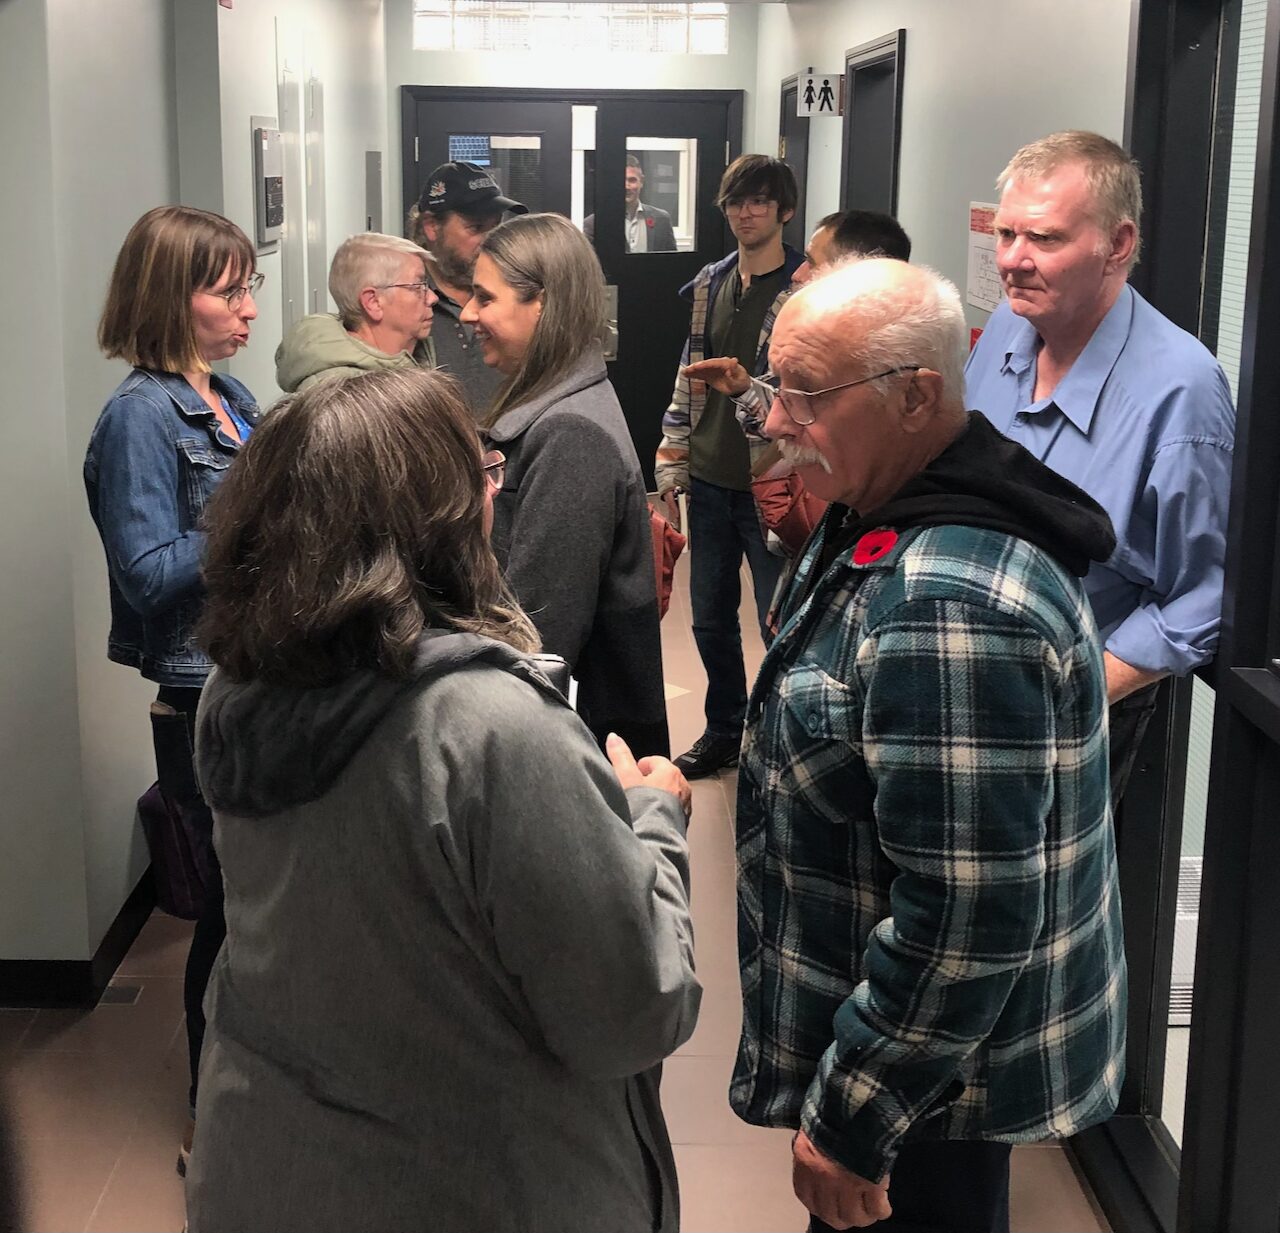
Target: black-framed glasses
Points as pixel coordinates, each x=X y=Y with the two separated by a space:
x=494 y=466
x=795 y=402
x=234 y=296
x=420 y=289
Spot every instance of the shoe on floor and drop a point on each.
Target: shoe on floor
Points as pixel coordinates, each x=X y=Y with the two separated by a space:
x=708 y=755
x=184 y=1151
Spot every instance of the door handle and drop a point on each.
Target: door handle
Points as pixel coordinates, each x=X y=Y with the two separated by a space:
x=611 y=322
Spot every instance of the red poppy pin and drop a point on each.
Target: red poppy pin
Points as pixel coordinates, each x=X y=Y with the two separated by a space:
x=648 y=222
x=873 y=545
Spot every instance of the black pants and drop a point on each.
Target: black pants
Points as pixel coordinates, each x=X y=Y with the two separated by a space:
x=174 y=739
x=1128 y=722
x=946 y=1187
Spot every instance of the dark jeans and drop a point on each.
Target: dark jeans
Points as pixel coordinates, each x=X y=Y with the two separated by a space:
x=1128 y=722
x=174 y=739
x=946 y=1187
x=722 y=527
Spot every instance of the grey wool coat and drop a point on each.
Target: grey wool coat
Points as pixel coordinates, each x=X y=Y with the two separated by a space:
x=455 y=947
x=571 y=530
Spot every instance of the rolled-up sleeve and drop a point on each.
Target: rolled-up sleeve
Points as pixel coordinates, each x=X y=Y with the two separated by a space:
x=1175 y=626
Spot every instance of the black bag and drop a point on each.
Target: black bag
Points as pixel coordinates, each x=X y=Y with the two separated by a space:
x=179 y=879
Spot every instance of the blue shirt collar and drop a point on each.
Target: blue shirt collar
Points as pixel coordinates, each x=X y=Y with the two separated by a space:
x=1078 y=393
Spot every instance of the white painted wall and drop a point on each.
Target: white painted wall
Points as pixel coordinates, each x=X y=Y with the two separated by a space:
x=405 y=67
x=110 y=164
x=337 y=41
x=105 y=111
x=43 y=908
x=982 y=78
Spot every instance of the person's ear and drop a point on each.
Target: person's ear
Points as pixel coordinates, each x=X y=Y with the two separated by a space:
x=785 y=216
x=371 y=304
x=922 y=399
x=1123 y=241
x=430 y=226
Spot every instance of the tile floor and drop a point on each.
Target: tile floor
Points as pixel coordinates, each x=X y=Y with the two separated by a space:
x=97 y=1099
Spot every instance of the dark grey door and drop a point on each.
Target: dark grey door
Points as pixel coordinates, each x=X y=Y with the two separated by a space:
x=872 y=124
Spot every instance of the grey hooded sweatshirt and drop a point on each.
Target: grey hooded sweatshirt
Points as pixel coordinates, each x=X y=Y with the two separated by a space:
x=454 y=948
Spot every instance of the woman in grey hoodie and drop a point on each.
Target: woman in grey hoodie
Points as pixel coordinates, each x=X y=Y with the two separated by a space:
x=456 y=936
x=571 y=524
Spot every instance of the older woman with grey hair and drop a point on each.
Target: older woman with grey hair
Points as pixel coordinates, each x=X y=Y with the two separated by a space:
x=571 y=523
x=384 y=309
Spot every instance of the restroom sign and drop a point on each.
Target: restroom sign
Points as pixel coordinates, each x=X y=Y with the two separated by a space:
x=819 y=94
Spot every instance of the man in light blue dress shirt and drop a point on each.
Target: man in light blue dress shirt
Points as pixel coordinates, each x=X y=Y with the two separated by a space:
x=1077 y=367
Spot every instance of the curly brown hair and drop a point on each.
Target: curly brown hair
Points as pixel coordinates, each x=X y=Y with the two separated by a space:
x=353 y=521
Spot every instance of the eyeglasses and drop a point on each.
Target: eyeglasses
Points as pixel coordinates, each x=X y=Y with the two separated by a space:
x=794 y=401
x=234 y=296
x=494 y=466
x=748 y=205
x=420 y=289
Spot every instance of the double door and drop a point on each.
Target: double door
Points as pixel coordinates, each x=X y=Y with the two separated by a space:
x=577 y=154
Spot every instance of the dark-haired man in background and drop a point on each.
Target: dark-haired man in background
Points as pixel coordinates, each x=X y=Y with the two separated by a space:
x=706 y=454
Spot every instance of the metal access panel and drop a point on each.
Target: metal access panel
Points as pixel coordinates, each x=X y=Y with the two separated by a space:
x=317 y=241
x=373 y=190
x=268 y=180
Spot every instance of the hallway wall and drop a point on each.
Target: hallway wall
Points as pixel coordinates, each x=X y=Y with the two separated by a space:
x=105 y=112
x=981 y=79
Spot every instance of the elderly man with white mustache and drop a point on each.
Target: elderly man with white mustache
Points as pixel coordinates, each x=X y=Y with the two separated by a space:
x=929 y=923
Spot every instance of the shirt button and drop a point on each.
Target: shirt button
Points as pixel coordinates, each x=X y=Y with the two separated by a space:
x=814 y=723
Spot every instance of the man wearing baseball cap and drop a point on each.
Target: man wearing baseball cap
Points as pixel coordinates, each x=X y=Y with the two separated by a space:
x=459 y=206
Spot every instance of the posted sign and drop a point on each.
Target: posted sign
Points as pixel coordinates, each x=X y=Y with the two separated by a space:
x=819 y=94
x=984 y=289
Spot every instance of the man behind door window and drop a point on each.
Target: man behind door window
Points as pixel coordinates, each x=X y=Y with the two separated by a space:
x=649 y=229
x=460 y=205
x=1077 y=367
x=705 y=453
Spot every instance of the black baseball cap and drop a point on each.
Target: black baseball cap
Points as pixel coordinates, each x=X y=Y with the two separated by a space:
x=466 y=188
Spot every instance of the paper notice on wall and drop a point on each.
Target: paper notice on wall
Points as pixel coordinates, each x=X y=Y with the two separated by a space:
x=983 y=289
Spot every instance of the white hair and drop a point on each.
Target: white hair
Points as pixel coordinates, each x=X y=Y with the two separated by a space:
x=896 y=316
x=370 y=259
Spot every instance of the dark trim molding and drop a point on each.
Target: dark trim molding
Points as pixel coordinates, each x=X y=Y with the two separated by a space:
x=78 y=982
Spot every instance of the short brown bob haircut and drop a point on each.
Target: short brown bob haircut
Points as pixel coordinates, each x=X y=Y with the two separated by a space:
x=170 y=253
x=352 y=522
x=758 y=175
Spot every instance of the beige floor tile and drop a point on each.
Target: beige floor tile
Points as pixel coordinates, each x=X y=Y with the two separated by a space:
x=59 y=1095
x=145 y=1191
x=738 y=1189
x=160 y=949
x=63 y=1179
x=1046 y=1196
x=696 y=1102
x=141 y=1030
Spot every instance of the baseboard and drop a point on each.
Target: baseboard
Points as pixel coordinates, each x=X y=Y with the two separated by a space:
x=78 y=982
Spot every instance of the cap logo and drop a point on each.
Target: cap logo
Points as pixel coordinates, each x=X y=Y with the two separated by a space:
x=437 y=189
x=482 y=182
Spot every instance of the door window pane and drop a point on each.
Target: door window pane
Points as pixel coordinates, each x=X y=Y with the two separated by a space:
x=513 y=159
x=660 y=187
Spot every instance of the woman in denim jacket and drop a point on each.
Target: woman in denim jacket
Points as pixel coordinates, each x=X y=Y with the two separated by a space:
x=181 y=298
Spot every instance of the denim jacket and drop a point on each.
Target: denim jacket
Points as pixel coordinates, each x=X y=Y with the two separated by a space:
x=154 y=459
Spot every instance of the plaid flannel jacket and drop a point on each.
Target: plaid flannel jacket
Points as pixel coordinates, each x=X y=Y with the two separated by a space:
x=689 y=398
x=929 y=920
